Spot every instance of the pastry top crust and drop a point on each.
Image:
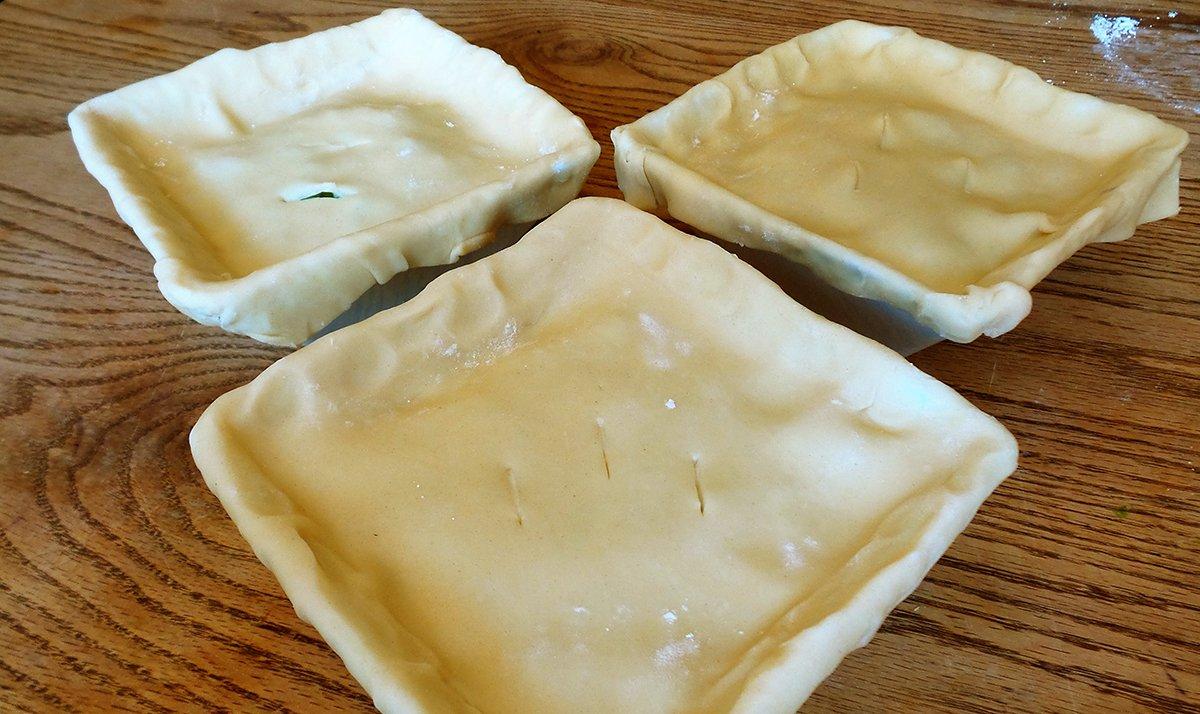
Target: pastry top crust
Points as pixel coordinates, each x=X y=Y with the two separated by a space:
x=274 y=186
x=944 y=181
x=611 y=468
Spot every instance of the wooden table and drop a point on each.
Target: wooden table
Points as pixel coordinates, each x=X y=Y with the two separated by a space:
x=124 y=586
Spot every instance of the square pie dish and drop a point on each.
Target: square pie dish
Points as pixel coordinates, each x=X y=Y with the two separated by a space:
x=274 y=186
x=611 y=468
x=941 y=181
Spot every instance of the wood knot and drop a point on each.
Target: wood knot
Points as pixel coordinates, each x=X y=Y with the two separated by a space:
x=578 y=51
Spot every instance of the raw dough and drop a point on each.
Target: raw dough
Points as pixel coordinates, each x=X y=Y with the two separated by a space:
x=611 y=468
x=900 y=168
x=275 y=185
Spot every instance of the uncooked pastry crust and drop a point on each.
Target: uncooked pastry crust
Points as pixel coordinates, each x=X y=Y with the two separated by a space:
x=945 y=182
x=611 y=468
x=274 y=186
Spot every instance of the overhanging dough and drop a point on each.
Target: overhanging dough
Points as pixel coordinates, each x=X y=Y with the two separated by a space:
x=611 y=468
x=942 y=181
x=274 y=186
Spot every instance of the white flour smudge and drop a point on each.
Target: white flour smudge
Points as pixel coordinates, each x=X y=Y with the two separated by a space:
x=792 y=557
x=672 y=653
x=1113 y=34
x=1110 y=31
x=796 y=556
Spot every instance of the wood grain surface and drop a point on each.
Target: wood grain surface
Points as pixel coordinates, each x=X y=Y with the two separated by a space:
x=123 y=586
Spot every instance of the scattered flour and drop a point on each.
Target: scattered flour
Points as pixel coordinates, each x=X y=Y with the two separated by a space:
x=1115 y=34
x=796 y=555
x=672 y=653
x=792 y=557
x=1110 y=31
x=658 y=347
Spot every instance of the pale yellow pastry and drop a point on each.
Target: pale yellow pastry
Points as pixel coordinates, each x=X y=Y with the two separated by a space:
x=274 y=186
x=609 y=469
x=944 y=182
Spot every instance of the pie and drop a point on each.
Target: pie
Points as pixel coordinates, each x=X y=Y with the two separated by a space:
x=944 y=182
x=276 y=185
x=610 y=468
